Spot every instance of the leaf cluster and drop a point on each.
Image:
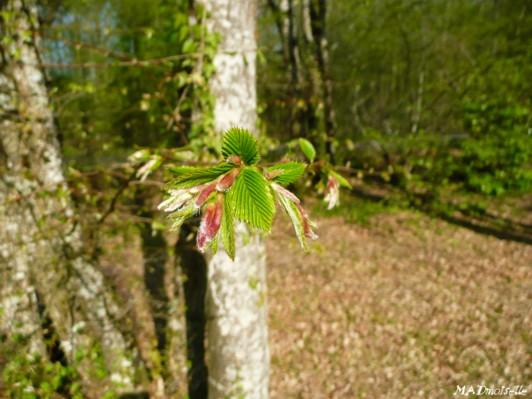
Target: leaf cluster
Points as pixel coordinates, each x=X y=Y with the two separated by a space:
x=240 y=190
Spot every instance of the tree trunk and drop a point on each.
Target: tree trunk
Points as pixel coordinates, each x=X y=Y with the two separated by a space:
x=155 y=256
x=193 y=266
x=318 y=18
x=40 y=241
x=279 y=11
x=238 y=354
x=18 y=297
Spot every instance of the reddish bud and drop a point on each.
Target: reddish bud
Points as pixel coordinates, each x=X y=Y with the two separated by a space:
x=210 y=224
x=235 y=159
x=307 y=224
x=227 y=180
x=204 y=193
x=332 y=192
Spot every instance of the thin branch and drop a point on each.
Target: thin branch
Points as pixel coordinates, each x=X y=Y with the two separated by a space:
x=117 y=195
x=139 y=63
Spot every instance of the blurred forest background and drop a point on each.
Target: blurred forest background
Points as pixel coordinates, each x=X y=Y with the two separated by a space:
x=420 y=280
x=428 y=98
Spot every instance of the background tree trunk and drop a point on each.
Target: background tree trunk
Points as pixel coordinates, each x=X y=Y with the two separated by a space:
x=193 y=267
x=40 y=241
x=18 y=297
x=318 y=22
x=238 y=354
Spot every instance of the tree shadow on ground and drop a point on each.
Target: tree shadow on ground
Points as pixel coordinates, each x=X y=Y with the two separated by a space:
x=470 y=217
x=500 y=228
x=135 y=395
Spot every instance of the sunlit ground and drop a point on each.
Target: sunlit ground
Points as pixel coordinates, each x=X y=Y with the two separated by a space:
x=404 y=307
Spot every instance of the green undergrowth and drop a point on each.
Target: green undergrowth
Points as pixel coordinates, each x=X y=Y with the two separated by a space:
x=358 y=210
x=31 y=377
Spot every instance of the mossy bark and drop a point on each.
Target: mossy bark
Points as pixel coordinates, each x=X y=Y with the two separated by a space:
x=40 y=239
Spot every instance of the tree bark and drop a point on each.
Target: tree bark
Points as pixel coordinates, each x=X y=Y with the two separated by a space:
x=40 y=241
x=318 y=17
x=193 y=266
x=18 y=298
x=279 y=11
x=238 y=354
x=155 y=256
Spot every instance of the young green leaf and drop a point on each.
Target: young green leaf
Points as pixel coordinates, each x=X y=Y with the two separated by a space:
x=342 y=180
x=240 y=142
x=189 y=176
x=295 y=216
x=308 y=149
x=228 y=230
x=251 y=199
x=286 y=173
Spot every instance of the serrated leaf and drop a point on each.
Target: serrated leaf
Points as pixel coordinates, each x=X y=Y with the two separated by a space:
x=240 y=142
x=308 y=149
x=251 y=199
x=228 y=230
x=286 y=173
x=295 y=216
x=341 y=180
x=189 y=176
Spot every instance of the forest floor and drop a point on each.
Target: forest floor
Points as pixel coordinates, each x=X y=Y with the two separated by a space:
x=401 y=306
x=390 y=303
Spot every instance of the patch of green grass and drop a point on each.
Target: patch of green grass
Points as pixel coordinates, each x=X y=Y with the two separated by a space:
x=356 y=210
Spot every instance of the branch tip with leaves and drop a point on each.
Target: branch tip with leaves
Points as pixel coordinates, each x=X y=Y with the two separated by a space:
x=236 y=190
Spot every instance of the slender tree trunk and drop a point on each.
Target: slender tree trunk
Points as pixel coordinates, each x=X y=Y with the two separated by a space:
x=40 y=241
x=238 y=354
x=281 y=22
x=298 y=122
x=284 y=13
x=318 y=16
x=416 y=118
x=155 y=256
x=193 y=266
x=293 y=47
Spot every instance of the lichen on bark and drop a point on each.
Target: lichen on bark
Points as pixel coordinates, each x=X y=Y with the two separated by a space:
x=41 y=248
x=238 y=354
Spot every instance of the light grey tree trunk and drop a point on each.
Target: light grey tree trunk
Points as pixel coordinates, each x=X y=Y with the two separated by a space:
x=237 y=337
x=40 y=241
x=18 y=298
